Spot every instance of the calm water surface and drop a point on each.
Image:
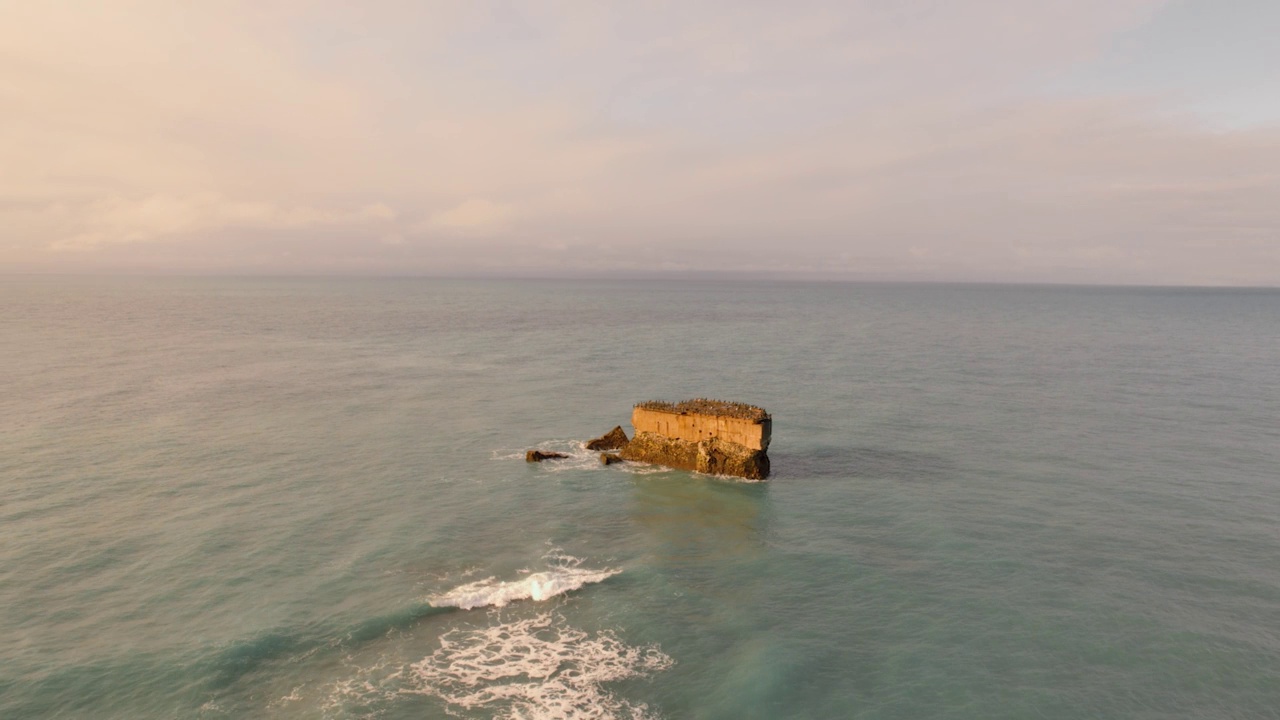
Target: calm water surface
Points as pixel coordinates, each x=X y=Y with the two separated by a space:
x=247 y=498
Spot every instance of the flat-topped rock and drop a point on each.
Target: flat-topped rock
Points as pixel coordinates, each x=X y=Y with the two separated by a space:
x=751 y=429
x=716 y=437
x=540 y=455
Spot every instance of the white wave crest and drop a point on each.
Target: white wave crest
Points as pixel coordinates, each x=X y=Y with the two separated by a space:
x=536 y=586
x=534 y=668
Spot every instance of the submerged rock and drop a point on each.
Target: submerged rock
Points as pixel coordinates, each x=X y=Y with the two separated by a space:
x=613 y=440
x=609 y=458
x=540 y=455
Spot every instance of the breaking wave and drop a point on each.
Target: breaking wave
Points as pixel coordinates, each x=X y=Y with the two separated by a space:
x=532 y=666
x=565 y=576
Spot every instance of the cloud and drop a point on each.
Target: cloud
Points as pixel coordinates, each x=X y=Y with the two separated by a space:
x=475 y=215
x=875 y=139
x=119 y=220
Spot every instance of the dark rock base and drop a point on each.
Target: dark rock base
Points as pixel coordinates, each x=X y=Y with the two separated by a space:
x=713 y=457
x=609 y=458
x=615 y=439
x=539 y=456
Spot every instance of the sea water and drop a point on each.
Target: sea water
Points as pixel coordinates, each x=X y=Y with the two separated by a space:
x=307 y=498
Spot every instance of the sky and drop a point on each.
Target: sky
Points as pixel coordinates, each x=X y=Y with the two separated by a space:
x=1075 y=141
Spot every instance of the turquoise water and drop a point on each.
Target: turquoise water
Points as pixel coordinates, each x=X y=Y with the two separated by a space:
x=278 y=498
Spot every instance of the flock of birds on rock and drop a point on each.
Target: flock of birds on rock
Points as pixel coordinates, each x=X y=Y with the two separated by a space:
x=707 y=406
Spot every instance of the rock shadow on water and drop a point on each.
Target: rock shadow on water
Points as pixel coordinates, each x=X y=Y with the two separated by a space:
x=848 y=463
x=699 y=518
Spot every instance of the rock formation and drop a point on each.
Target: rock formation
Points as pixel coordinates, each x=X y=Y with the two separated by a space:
x=612 y=440
x=708 y=436
x=540 y=455
x=610 y=458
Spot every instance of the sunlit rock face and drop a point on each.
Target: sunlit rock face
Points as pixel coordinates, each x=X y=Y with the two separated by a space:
x=707 y=436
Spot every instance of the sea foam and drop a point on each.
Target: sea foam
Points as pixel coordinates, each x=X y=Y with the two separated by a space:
x=578 y=459
x=538 y=667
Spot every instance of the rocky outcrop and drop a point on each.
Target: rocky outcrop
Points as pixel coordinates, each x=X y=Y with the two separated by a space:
x=712 y=456
x=615 y=439
x=716 y=437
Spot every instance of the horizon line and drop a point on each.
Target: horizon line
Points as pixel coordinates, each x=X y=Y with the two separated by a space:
x=652 y=276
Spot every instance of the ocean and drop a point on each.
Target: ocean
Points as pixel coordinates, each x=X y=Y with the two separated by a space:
x=307 y=498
